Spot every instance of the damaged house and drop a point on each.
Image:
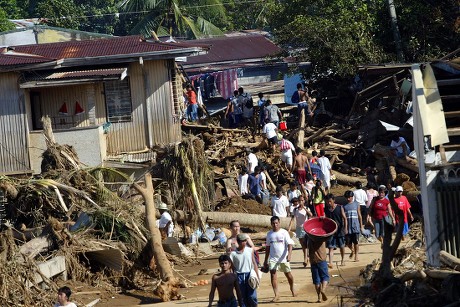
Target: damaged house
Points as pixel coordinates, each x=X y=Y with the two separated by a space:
x=112 y=99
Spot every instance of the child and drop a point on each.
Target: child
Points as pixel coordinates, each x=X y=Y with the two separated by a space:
x=319 y=272
x=64 y=297
x=225 y=282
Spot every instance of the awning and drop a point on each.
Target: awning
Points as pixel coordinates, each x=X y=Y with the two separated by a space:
x=53 y=78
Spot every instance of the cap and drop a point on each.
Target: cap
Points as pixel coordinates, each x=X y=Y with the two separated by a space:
x=399 y=188
x=162 y=206
x=382 y=186
x=242 y=237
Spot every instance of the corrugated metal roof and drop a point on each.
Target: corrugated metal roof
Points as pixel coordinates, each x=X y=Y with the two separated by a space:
x=76 y=74
x=83 y=49
x=8 y=60
x=234 y=48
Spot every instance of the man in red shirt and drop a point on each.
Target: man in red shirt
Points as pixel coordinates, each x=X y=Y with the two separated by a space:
x=192 y=109
x=404 y=206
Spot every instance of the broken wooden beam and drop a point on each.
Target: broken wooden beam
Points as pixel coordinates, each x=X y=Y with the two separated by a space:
x=449 y=260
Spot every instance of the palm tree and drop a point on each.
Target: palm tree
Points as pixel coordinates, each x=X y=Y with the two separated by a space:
x=178 y=18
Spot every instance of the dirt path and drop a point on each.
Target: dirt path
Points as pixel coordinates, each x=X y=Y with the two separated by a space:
x=342 y=278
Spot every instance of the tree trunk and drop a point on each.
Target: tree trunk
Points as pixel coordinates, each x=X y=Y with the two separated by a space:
x=395 y=28
x=244 y=219
x=301 y=135
x=348 y=180
x=270 y=181
x=449 y=260
x=169 y=285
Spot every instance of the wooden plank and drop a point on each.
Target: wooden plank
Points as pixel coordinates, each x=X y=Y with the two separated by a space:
x=452 y=114
x=453 y=131
x=442 y=152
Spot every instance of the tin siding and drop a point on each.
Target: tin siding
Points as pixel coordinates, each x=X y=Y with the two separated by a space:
x=164 y=122
x=14 y=155
x=130 y=136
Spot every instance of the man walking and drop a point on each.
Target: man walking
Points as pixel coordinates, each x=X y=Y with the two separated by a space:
x=243 y=263
x=326 y=168
x=278 y=255
x=336 y=213
x=354 y=224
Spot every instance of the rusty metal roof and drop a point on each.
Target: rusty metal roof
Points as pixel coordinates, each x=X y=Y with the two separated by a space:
x=126 y=45
x=76 y=74
x=234 y=48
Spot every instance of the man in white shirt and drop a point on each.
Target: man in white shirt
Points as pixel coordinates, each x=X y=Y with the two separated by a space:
x=165 y=223
x=278 y=255
x=400 y=147
x=243 y=181
x=325 y=165
x=271 y=132
x=360 y=196
x=279 y=203
x=252 y=160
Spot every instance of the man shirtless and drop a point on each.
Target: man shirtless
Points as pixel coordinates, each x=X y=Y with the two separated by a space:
x=225 y=282
x=300 y=163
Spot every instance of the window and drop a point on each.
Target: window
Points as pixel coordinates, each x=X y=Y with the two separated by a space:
x=118 y=101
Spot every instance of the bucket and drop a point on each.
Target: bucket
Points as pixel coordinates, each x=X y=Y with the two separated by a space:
x=320 y=229
x=283 y=126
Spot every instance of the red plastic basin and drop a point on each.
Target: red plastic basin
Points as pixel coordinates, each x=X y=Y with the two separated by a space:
x=320 y=229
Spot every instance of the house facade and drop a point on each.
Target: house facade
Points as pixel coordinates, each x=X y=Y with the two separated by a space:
x=112 y=99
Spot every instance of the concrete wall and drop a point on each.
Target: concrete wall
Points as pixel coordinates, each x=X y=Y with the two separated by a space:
x=89 y=143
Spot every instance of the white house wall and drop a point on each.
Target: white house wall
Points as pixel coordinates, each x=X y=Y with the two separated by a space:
x=13 y=126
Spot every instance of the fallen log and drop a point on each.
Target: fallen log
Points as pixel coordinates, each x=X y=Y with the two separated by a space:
x=449 y=260
x=440 y=274
x=244 y=144
x=212 y=127
x=415 y=274
x=301 y=135
x=344 y=146
x=270 y=181
x=348 y=180
x=314 y=135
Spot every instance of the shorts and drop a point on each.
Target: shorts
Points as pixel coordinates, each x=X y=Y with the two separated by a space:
x=286 y=157
x=352 y=238
x=336 y=241
x=228 y=303
x=273 y=140
x=319 y=209
x=300 y=232
x=319 y=272
x=301 y=176
x=284 y=267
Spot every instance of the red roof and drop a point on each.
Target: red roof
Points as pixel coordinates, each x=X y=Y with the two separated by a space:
x=125 y=45
x=234 y=48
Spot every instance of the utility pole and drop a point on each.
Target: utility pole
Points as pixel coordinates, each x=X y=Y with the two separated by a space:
x=396 y=35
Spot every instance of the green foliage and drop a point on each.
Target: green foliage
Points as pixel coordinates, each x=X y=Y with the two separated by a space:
x=5 y=25
x=60 y=13
x=335 y=36
x=178 y=18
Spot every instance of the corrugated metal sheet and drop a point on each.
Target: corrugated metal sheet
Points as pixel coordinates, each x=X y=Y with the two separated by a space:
x=14 y=155
x=236 y=48
x=448 y=198
x=83 y=49
x=74 y=74
x=130 y=136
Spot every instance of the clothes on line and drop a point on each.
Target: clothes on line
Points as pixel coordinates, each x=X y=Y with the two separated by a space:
x=212 y=84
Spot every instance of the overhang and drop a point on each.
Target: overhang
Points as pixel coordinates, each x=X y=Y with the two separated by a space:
x=53 y=78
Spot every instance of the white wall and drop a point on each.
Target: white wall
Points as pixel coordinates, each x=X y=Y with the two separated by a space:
x=89 y=143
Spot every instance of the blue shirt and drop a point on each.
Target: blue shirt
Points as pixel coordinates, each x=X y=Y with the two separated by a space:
x=254 y=184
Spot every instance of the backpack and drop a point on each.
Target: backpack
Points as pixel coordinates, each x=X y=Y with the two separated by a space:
x=247 y=101
x=284 y=145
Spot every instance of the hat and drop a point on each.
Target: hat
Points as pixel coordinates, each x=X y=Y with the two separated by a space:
x=162 y=206
x=399 y=188
x=253 y=280
x=242 y=237
x=382 y=186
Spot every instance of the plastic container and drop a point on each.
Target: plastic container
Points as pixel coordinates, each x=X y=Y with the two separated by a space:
x=320 y=229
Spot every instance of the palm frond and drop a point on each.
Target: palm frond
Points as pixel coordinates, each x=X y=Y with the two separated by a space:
x=207 y=28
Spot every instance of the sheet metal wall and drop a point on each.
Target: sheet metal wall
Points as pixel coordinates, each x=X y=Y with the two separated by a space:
x=14 y=155
x=448 y=199
x=130 y=136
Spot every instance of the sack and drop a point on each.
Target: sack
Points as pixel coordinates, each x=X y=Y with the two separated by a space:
x=388 y=220
x=284 y=145
x=253 y=280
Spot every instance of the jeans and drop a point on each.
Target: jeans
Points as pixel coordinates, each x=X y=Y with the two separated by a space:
x=248 y=294
x=192 y=112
